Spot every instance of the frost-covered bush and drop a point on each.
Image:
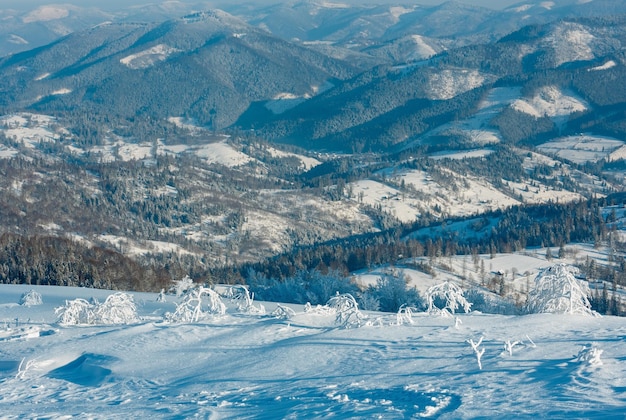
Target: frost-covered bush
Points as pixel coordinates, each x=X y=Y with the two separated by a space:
x=241 y=296
x=368 y=302
x=557 y=290
x=590 y=354
x=391 y=291
x=161 y=296
x=198 y=303
x=318 y=309
x=404 y=315
x=76 y=312
x=180 y=287
x=445 y=299
x=31 y=298
x=478 y=352
x=283 y=312
x=489 y=302
x=118 y=308
x=347 y=310
x=305 y=286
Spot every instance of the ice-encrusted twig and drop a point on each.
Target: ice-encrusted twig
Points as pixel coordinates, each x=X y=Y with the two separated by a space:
x=23 y=368
x=478 y=352
x=508 y=346
x=457 y=322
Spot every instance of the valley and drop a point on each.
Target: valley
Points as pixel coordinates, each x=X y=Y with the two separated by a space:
x=206 y=142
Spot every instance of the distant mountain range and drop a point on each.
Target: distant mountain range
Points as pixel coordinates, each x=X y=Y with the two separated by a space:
x=347 y=78
x=216 y=136
x=401 y=104
x=208 y=65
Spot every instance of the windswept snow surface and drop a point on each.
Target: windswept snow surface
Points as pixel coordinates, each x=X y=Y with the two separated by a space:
x=257 y=366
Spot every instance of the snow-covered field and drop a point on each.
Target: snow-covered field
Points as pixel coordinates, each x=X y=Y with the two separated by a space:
x=584 y=148
x=244 y=365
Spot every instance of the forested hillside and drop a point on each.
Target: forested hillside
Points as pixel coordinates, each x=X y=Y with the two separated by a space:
x=224 y=146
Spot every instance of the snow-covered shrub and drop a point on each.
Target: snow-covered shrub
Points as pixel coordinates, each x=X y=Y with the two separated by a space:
x=404 y=315
x=557 y=290
x=445 y=298
x=367 y=301
x=347 y=310
x=241 y=296
x=161 y=296
x=318 y=309
x=305 y=286
x=180 y=287
x=489 y=302
x=118 y=308
x=31 y=298
x=76 y=312
x=320 y=287
x=198 y=303
x=283 y=312
x=590 y=354
x=391 y=291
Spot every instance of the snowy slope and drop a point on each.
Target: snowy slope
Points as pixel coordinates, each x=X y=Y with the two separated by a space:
x=549 y=101
x=258 y=366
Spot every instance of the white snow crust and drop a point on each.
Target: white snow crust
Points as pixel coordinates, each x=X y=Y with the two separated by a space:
x=247 y=365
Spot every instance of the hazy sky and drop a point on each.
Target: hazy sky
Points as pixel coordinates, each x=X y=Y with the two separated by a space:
x=115 y=4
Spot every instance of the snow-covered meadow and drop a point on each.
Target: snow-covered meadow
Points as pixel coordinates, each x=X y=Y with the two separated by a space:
x=292 y=361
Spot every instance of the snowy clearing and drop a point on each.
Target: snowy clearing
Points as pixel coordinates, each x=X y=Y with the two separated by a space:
x=247 y=365
x=149 y=57
x=284 y=102
x=609 y=64
x=550 y=101
x=31 y=129
x=476 y=129
x=449 y=83
x=571 y=42
x=422 y=49
x=307 y=162
x=582 y=148
x=461 y=154
x=222 y=153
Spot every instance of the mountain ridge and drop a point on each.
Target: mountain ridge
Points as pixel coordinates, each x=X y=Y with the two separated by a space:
x=204 y=143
